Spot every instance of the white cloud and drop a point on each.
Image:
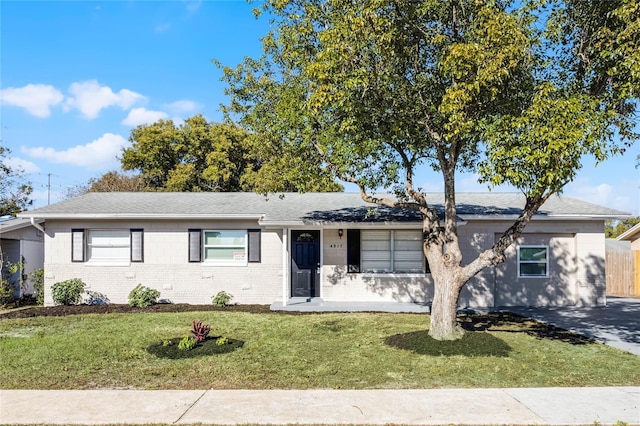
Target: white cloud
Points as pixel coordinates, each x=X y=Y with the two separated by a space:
x=625 y=196
x=25 y=166
x=182 y=106
x=138 y=116
x=90 y=98
x=177 y=121
x=37 y=99
x=100 y=154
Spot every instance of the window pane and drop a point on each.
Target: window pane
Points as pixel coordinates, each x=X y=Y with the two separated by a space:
x=400 y=245
x=376 y=235
x=375 y=255
x=408 y=254
x=109 y=237
x=533 y=253
x=224 y=253
x=378 y=255
x=225 y=245
x=370 y=245
x=533 y=269
x=376 y=266
x=108 y=244
x=109 y=253
x=408 y=235
x=404 y=266
x=224 y=238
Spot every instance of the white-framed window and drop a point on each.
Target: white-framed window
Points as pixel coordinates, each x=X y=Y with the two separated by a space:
x=389 y=251
x=533 y=261
x=224 y=246
x=107 y=246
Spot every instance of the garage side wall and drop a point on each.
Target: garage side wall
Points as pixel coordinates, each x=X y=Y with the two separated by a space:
x=575 y=275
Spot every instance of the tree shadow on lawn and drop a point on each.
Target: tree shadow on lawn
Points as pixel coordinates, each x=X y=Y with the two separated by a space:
x=511 y=323
x=477 y=342
x=169 y=349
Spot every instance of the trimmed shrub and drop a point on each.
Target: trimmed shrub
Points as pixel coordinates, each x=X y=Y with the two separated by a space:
x=68 y=292
x=187 y=343
x=37 y=278
x=222 y=299
x=9 y=284
x=141 y=296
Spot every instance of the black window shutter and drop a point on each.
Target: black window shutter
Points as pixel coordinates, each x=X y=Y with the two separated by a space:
x=427 y=268
x=137 y=245
x=353 y=250
x=254 y=245
x=195 y=245
x=77 y=245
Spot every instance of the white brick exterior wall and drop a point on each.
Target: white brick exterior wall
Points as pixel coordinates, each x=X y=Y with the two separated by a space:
x=576 y=267
x=166 y=267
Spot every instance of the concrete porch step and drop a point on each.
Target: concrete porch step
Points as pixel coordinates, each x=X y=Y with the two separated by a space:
x=316 y=304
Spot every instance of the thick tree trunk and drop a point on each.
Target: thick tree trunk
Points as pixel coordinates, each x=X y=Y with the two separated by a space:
x=444 y=325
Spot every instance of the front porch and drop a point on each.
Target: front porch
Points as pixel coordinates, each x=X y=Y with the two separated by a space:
x=316 y=304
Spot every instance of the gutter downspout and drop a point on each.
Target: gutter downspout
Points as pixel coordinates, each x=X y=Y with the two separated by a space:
x=37 y=225
x=285 y=266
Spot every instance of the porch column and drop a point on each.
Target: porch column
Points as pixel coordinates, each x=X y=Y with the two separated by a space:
x=285 y=264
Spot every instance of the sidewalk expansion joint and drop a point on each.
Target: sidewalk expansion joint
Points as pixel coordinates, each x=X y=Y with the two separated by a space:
x=190 y=407
x=543 y=420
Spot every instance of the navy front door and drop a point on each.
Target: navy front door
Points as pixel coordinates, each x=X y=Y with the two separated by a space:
x=305 y=263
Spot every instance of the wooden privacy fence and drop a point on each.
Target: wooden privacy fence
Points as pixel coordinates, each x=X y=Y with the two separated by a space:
x=622 y=277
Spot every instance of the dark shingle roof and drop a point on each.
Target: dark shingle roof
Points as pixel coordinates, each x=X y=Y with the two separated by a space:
x=298 y=208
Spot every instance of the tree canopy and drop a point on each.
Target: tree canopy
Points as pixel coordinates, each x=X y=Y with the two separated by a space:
x=615 y=228
x=15 y=189
x=376 y=90
x=112 y=181
x=200 y=156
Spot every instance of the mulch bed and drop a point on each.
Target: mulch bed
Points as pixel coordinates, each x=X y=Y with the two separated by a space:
x=57 y=311
x=474 y=322
x=209 y=346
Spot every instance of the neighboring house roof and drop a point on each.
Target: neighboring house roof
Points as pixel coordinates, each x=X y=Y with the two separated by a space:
x=631 y=234
x=16 y=223
x=295 y=208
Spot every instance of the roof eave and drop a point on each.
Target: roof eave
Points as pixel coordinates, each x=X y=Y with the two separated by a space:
x=14 y=227
x=543 y=217
x=66 y=216
x=629 y=233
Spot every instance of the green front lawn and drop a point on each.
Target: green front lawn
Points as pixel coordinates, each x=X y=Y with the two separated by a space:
x=351 y=351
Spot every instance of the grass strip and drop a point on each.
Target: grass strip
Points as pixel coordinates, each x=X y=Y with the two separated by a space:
x=337 y=351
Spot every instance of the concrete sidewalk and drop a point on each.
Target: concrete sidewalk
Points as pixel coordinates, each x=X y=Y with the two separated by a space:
x=551 y=406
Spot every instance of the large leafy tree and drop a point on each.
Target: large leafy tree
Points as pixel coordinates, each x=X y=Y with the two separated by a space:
x=615 y=228
x=376 y=90
x=200 y=156
x=112 y=181
x=15 y=189
x=194 y=156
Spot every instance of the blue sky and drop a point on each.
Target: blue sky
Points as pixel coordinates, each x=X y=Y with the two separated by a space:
x=77 y=76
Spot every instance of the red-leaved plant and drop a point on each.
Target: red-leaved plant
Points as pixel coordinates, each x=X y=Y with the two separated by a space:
x=200 y=331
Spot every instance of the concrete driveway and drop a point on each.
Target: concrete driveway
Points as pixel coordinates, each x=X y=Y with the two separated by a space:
x=617 y=324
